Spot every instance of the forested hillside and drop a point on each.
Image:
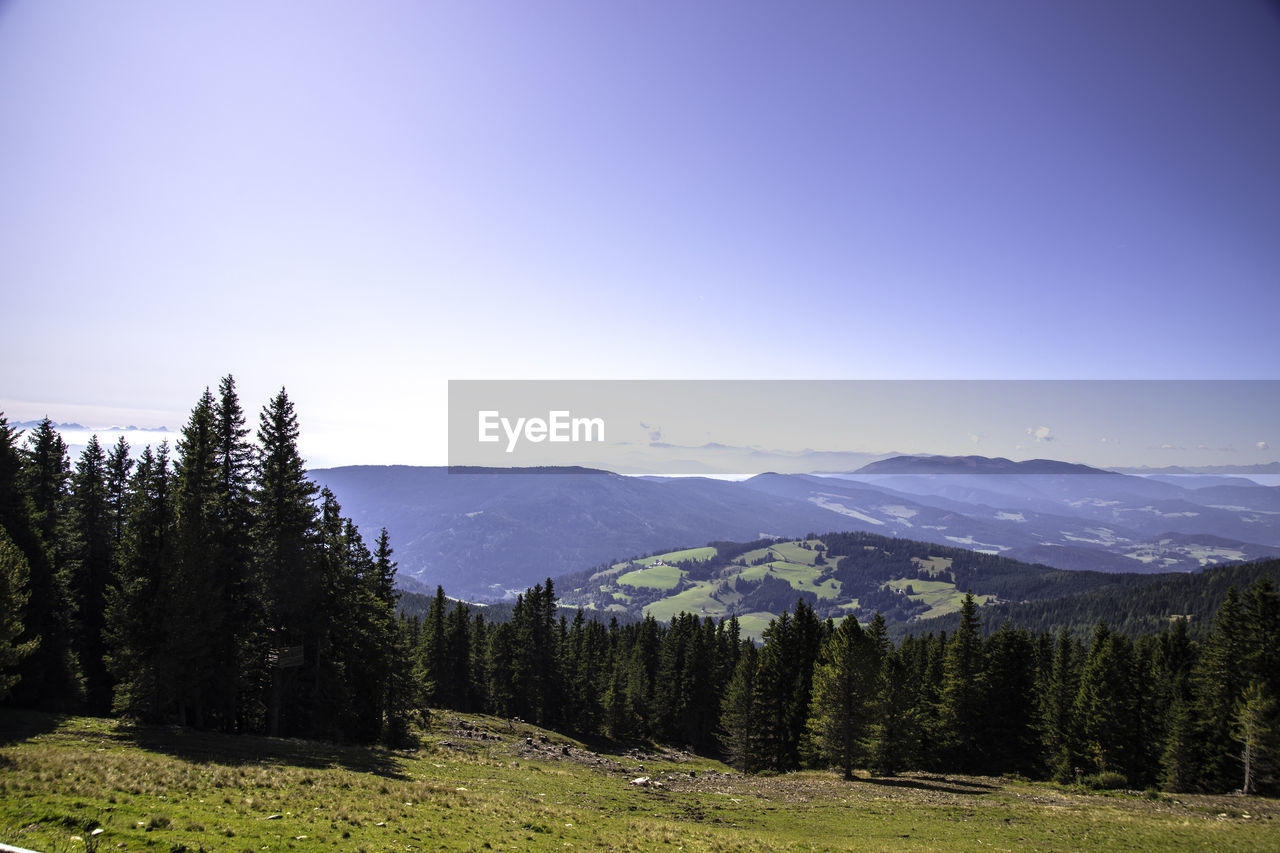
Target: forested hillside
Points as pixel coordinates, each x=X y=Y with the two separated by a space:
x=838 y=574
x=1146 y=606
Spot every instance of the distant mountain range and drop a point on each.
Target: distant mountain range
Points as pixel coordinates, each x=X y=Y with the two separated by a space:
x=1238 y=470
x=483 y=532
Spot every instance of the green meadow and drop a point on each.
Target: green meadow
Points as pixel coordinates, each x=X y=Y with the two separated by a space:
x=482 y=783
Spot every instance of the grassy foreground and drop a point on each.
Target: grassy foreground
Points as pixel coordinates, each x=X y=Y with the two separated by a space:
x=480 y=783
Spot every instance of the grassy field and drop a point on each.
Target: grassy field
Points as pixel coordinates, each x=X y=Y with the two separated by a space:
x=480 y=783
x=664 y=576
x=654 y=577
x=698 y=554
x=941 y=596
x=801 y=577
x=792 y=552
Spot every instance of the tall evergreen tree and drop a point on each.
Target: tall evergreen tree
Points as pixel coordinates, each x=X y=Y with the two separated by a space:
x=895 y=732
x=196 y=616
x=846 y=690
x=963 y=690
x=240 y=674
x=284 y=558
x=1254 y=731
x=1220 y=680
x=135 y=635
x=13 y=604
x=89 y=541
x=1009 y=726
x=738 y=721
x=119 y=464
x=1106 y=705
x=33 y=500
x=1059 y=735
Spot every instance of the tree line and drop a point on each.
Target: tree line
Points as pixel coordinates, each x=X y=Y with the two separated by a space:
x=210 y=585
x=1160 y=710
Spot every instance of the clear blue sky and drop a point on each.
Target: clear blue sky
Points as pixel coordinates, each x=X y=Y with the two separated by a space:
x=361 y=201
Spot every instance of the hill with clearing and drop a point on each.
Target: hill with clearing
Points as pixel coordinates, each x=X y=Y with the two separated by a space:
x=836 y=573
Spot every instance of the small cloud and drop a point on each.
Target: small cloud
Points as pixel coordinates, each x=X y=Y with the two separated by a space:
x=1262 y=445
x=1202 y=447
x=975 y=438
x=655 y=433
x=1040 y=433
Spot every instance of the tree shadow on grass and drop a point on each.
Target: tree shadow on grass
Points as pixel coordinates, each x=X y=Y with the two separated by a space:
x=933 y=783
x=217 y=748
x=18 y=725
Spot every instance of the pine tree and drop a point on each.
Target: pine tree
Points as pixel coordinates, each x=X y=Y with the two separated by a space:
x=91 y=561
x=13 y=604
x=963 y=691
x=1174 y=700
x=1106 y=705
x=33 y=499
x=846 y=689
x=1254 y=730
x=396 y=692
x=284 y=560
x=432 y=663
x=1059 y=734
x=1219 y=681
x=1261 y=617
x=772 y=689
x=196 y=615
x=241 y=652
x=895 y=732
x=1009 y=727
x=738 y=718
x=119 y=464
x=500 y=670
x=135 y=635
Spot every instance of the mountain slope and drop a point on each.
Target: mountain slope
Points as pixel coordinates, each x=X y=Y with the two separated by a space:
x=1132 y=606
x=486 y=532
x=483 y=533
x=838 y=574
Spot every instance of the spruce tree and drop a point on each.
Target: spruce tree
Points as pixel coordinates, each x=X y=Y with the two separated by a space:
x=1059 y=733
x=137 y=651
x=845 y=692
x=738 y=720
x=90 y=562
x=242 y=647
x=1009 y=726
x=1219 y=681
x=1106 y=705
x=196 y=622
x=963 y=691
x=119 y=464
x=284 y=543
x=1253 y=728
x=14 y=575
x=33 y=500
x=895 y=732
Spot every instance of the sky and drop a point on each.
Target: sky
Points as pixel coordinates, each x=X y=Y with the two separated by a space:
x=363 y=201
